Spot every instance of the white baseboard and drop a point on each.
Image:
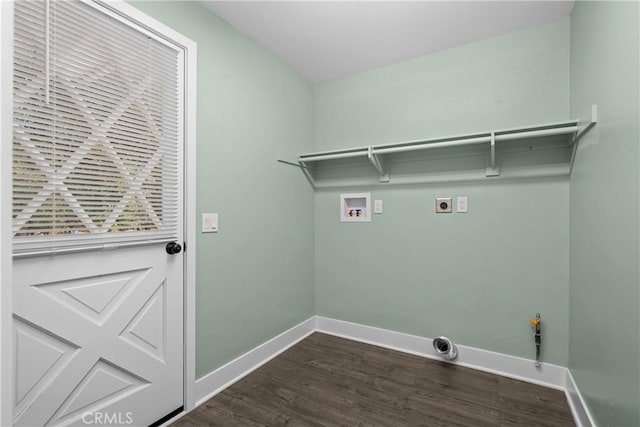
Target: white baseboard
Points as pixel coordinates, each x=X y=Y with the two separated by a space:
x=213 y=383
x=579 y=408
x=547 y=375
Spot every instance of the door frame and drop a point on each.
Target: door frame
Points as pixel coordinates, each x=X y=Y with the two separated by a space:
x=6 y=259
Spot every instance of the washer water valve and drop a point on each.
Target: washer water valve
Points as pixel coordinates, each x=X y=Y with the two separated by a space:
x=535 y=323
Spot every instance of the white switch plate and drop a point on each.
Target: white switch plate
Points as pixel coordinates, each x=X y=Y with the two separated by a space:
x=461 y=204
x=209 y=222
x=377 y=206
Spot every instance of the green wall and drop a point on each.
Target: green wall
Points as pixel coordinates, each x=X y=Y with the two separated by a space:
x=477 y=277
x=546 y=245
x=604 y=346
x=254 y=277
x=514 y=80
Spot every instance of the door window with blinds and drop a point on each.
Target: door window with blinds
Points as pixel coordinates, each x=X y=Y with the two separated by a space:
x=97 y=128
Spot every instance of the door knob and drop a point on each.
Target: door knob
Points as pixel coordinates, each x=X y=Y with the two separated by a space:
x=173 y=248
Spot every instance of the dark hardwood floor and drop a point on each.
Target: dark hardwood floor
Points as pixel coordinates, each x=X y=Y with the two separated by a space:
x=330 y=381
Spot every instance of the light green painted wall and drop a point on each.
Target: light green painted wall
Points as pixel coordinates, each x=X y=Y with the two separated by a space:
x=477 y=277
x=254 y=277
x=514 y=80
x=604 y=347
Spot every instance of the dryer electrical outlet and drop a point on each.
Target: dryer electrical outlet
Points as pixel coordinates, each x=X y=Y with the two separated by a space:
x=443 y=205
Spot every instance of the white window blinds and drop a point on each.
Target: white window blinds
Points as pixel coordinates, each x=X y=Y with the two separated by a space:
x=97 y=128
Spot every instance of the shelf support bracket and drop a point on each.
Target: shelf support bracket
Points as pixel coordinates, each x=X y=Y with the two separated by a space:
x=493 y=169
x=307 y=174
x=378 y=163
x=581 y=133
x=592 y=123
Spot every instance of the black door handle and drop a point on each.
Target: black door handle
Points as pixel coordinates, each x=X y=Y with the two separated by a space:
x=173 y=248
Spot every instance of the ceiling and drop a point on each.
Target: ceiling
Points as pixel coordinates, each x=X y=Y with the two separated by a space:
x=327 y=40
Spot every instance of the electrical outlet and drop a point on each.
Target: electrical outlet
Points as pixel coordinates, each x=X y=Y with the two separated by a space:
x=443 y=205
x=377 y=206
x=461 y=204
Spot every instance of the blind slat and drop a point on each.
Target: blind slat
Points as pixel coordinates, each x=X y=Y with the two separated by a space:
x=101 y=156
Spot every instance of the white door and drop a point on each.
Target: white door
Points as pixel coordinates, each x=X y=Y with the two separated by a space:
x=97 y=197
x=98 y=335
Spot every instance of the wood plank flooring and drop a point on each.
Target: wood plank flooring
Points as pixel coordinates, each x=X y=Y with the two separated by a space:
x=330 y=381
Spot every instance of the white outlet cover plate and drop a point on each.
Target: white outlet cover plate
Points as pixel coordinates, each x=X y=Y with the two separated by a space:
x=209 y=222
x=377 y=206
x=461 y=204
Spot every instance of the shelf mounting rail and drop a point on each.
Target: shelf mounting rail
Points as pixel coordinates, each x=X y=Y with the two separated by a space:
x=375 y=153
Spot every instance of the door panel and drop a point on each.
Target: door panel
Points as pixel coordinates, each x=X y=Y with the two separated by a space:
x=98 y=333
x=97 y=167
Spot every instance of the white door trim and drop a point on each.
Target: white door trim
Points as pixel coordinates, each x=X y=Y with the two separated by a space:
x=6 y=136
x=6 y=126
